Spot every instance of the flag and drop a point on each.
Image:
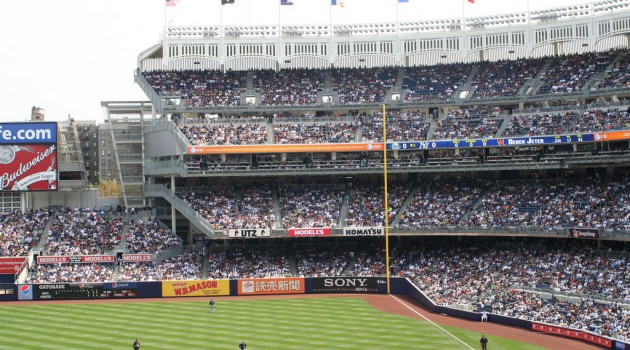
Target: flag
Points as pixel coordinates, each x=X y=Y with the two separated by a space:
x=286 y=2
x=471 y=1
x=171 y=3
x=334 y=3
x=223 y=2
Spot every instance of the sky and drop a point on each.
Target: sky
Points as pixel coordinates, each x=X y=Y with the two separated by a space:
x=68 y=56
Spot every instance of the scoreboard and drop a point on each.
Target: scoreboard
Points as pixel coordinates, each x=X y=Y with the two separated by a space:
x=85 y=290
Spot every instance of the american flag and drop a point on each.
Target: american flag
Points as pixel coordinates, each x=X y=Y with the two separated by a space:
x=171 y=3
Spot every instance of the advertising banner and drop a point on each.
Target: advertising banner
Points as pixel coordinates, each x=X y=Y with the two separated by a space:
x=196 y=288
x=11 y=265
x=97 y=259
x=78 y=259
x=28 y=133
x=249 y=232
x=364 y=231
x=584 y=233
x=613 y=135
x=52 y=260
x=28 y=167
x=25 y=292
x=263 y=286
x=572 y=333
x=349 y=284
x=297 y=148
x=85 y=290
x=136 y=257
x=306 y=232
x=491 y=142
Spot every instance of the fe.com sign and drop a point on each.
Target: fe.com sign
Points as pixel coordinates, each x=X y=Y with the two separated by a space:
x=28 y=133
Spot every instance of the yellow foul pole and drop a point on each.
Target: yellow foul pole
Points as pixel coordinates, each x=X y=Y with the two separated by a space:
x=385 y=201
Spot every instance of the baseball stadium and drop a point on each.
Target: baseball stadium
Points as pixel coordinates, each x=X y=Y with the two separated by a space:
x=385 y=185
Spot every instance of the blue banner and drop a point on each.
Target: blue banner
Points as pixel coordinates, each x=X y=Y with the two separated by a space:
x=28 y=133
x=529 y=141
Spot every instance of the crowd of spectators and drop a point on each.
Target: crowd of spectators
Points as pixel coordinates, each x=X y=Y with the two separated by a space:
x=619 y=75
x=147 y=236
x=567 y=122
x=249 y=262
x=569 y=73
x=363 y=85
x=401 y=126
x=609 y=319
x=462 y=124
x=314 y=133
x=185 y=266
x=83 y=232
x=598 y=203
x=289 y=87
x=225 y=134
x=19 y=232
x=310 y=205
x=223 y=209
x=434 y=83
x=70 y=273
x=315 y=261
x=204 y=88
x=504 y=78
x=366 y=207
x=436 y=205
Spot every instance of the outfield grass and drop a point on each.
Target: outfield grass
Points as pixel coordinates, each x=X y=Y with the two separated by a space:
x=272 y=324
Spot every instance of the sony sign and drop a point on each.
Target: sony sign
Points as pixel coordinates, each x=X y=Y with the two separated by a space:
x=345 y=282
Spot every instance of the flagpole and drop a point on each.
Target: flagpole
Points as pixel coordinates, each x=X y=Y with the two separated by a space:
x=386 y=204
x=164 y=42
x=280 y=51
x=332 y=31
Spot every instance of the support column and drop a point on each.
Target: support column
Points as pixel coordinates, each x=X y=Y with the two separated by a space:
x=173 y=216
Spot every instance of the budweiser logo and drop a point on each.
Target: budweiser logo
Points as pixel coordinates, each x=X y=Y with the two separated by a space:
x=30 y=165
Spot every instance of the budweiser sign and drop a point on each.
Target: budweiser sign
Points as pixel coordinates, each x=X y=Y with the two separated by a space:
x=28 y=167
x=322 y=231
x=11 y=265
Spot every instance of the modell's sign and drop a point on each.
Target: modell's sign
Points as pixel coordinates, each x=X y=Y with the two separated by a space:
x=322 y=231
x=585 y=233
x=249 y=232
x=136 y=257
x=363 y=231
x=28 y=167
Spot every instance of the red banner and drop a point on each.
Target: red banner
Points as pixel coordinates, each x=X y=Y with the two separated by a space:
x=572 y=333
x=136 y=257
x=28 y=167
x=11 y=265
x=97 y=259
x=88 y=259
x=292 y=285
x=304 y=232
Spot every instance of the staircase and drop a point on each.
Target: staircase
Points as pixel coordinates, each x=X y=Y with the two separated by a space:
x=158 y=190
x=467 y=85
x=276 y=208
x=504 y=124
x=44 y=237
x=343 y=212
x=538 y=81
x=404 y=206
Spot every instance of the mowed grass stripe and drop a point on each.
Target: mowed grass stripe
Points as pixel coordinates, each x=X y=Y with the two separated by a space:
x=292 y=324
